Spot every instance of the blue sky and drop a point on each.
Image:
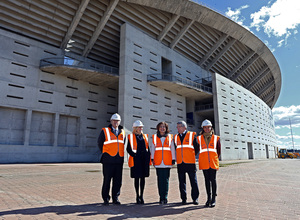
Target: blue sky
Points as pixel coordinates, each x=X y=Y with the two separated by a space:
x=277 y=24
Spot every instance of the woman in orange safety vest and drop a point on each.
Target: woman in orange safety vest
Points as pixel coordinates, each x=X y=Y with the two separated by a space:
x=210 y=149
x=163 y=157
x=139 y=159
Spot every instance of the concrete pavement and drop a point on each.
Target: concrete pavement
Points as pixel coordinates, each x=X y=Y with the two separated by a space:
x=256 y=189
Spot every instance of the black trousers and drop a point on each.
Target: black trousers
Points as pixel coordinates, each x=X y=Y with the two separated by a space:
x=182 y=184
x=112 y=172
x=210 y=181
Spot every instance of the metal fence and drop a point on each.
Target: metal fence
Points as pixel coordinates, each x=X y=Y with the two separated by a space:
x=85 y=64
x=204 y=107
x=204 y=80
x=172 y=78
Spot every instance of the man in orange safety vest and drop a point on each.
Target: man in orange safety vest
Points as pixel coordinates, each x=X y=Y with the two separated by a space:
x=187 y=148
x=111 y=144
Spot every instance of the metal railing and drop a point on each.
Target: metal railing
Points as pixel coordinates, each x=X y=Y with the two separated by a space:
x=84 y=64
x=172 y=78
x=204 y=107
x=204 y=80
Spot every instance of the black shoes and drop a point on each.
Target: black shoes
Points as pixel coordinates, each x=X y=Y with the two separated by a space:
x=106 y=201
x=163 y=201
x=117 y=202
x=213 y=202
x=195 y=202
x=208 y=202
x=142 y=200
x=139 y=200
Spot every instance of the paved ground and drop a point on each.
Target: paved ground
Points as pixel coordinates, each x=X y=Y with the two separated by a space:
x=257 y=189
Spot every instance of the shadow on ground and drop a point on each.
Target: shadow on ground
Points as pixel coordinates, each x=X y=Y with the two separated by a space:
x=119 y=212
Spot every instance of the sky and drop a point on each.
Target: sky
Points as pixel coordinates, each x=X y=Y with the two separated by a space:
x=277 y=24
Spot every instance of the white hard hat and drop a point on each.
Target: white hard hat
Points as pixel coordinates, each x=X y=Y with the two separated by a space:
x=206 y=123
x=116 y=116
x=137 y=123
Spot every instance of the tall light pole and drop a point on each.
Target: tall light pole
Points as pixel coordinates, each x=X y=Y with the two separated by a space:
x=292 y=135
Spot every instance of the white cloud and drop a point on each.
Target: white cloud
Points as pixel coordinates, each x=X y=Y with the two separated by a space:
x=279 y=19
x=269 y=46
x=287 y=144
x=280 y=43
x=287 y=137
x=296 y=136
x=280 y=137
x=284 y=111
x=282 y=116
x=235 y=15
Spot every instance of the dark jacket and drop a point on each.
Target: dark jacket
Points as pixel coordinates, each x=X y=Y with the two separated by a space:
x=105 y=157
x=141 y=159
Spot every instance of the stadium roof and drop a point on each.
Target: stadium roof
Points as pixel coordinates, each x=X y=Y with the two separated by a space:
x=91 y=28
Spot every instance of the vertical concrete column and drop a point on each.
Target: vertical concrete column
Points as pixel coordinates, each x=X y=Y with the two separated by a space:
x=215 y=103
x=55 y=133
x=125 y=102
x=217 y=127
x=27 y=127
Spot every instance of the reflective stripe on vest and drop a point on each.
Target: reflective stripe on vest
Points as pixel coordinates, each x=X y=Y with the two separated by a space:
x=163 y=152
x=113 y=144
x=109 y=141
x=133 y=145
x=209 y=149
x=185 y=152
x=208 y=156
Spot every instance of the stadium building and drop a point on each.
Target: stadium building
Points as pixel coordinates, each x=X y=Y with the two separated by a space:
x=68 y=65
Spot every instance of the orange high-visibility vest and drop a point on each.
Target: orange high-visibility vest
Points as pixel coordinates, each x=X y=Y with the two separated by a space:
x=133 y=145
x=208 y=156
x=162 y=152
x=113 y=144
x=185 y=152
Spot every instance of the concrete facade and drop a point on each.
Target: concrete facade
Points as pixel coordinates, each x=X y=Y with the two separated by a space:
x=140 y=56
x=64 y=74
x=244 y=122
x=47 y=117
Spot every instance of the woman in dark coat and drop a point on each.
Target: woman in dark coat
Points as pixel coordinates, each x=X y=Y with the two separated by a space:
x=139 y=159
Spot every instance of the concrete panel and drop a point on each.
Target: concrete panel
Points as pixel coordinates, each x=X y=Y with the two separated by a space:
x=12 y=127
x=141 y=55
x=242 y=118
x=26 y=88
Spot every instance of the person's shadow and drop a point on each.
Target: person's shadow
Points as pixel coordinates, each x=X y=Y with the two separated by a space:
x=123 y=211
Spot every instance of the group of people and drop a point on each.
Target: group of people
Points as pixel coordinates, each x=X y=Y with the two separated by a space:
x=163 y=151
